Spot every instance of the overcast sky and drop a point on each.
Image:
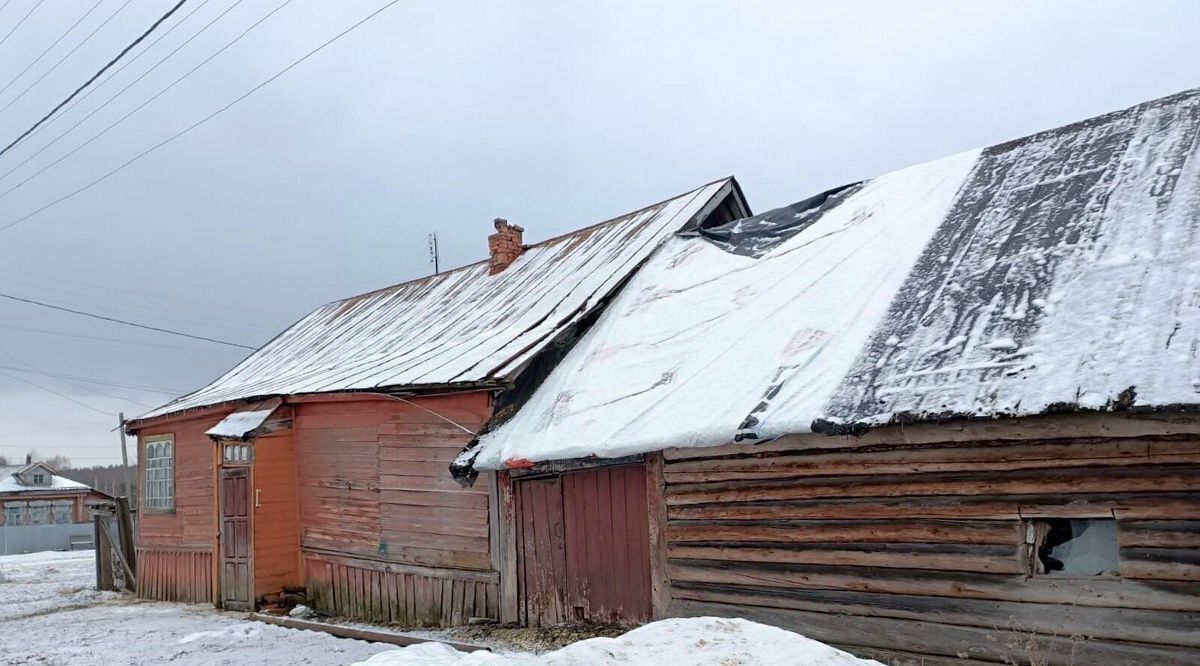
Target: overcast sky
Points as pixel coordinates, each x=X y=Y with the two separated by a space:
x=439 y=116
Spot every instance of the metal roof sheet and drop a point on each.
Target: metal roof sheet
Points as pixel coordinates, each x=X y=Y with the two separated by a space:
x=1056 y=272
x=460 y=327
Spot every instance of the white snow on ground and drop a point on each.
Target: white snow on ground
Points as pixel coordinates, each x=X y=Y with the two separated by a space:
x=50 y=614
x=703 y=641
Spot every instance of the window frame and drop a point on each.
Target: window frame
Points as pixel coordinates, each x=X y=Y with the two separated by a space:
x=152 y=474
x=60 y=509
x=22 y=511
x=1036 y=531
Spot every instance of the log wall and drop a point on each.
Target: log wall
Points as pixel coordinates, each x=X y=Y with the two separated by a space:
x=374 y=487
x=909 y=544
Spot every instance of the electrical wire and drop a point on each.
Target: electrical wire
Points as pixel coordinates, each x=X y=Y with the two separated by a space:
x=87 y=380
x=95 y=76
x=147 y=294
x=139 y=107
x=122 y=321
x=64 y=396
x=126 y=63
x=198 y=123
x=64 y=58
x=99 y=338
x=51 y=47
x=19 y=23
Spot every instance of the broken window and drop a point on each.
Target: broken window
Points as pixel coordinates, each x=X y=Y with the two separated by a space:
x=1073 y=547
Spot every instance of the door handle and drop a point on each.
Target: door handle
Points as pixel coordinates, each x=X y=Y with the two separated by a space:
x=257 y=497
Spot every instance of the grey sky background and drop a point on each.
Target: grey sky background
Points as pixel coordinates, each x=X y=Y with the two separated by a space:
x=439 y=116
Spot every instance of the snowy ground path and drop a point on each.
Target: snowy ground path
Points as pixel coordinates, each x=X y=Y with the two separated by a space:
x=50 y=613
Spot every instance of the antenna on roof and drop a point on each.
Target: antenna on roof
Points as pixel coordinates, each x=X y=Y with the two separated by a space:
x=433 y=252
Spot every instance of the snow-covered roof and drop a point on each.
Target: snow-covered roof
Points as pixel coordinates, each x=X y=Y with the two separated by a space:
x=244 y=421
x=462 y=327
x=10 y=480
x=1059 y=271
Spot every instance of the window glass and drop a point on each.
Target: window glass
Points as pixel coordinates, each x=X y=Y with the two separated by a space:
x=63 y=512
x=159 y=491
x=14 y=513
x=39 y=513
x=1078 y=547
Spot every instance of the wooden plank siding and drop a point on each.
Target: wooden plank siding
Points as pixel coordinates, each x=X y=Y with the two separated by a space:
x=175 y=574
x=395 y=594
x=374 y=487
x=178 y=545
x=276 y=517
x=907 y=544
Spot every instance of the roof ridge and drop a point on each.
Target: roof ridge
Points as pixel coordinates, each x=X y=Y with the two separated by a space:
x=545 y=241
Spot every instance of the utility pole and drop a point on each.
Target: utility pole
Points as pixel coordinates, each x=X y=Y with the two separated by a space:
x=124 y=453
x=433 y=252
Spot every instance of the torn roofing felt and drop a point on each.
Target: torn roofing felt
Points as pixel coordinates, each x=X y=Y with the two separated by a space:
x=459 y=328
x=1058 y=271
x=757 y=235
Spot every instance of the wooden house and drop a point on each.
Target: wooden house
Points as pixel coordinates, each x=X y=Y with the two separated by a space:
x=320 y=461
x=943 y=416
x=34 y=494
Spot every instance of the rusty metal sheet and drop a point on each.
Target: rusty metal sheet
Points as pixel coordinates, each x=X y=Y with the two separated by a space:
x=459 y=327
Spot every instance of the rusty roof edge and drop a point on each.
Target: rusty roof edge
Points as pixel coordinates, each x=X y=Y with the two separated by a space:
x=133 y=425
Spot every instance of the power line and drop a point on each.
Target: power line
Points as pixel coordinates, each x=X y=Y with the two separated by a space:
x=26 y=367
x=64 y=396
x=19 y=23
x=95 y=76
x=87 y=380
x=126 y=341
x=122 y=321
x=51 y=47
x=64 y=58
x=137 y=108
x=132 y=309
x=147 y=294
x=38 y=431
x=198 y=123
x=113 y=74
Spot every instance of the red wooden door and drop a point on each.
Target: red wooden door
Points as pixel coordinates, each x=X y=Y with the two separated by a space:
x=541 y=552
x=237 y=579
x=583 y=547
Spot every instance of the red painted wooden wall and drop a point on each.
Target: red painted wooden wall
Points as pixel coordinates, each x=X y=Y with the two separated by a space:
x=583 y=547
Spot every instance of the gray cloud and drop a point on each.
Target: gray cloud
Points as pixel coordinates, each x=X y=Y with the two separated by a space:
x=441 y=116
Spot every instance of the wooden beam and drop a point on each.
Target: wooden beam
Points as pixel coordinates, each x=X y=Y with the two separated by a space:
x=660 y=583
x=340 y=631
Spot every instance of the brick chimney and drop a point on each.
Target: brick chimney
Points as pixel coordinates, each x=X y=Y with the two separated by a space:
x=504 y=246
x=28 y=458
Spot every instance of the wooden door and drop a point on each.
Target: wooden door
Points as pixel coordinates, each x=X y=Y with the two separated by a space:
x=541 y=552
x=583 y=547
x=237 y=547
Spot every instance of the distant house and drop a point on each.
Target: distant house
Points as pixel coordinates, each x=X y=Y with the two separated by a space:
x=944 y=416
x=320 y=461
x=33 y=494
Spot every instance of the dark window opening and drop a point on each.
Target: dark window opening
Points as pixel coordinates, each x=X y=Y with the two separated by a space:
x=1074 y=547
x=39 y=479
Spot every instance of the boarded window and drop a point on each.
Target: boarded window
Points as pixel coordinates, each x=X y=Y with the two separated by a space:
x=1074 y=547
x=159 y=492
x=14 y=513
